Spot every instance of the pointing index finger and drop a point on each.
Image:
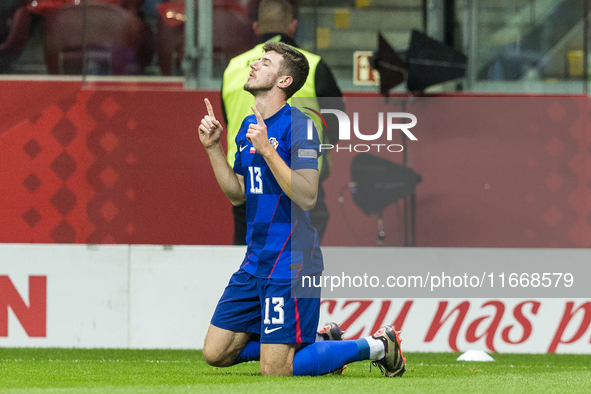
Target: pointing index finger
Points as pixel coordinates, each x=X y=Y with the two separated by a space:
x=257 y=114
x=209 y=108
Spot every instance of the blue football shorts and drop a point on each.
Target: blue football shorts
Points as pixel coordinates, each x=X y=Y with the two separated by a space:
x=266 y=307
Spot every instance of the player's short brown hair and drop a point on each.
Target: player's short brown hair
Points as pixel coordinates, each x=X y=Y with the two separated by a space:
x=293 y=64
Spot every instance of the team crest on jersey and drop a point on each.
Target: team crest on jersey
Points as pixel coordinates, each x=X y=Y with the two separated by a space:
x=274 y=143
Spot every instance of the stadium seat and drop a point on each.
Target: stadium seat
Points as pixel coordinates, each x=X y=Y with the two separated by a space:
x=15 y=23
x=118 y=41
x=232 y=33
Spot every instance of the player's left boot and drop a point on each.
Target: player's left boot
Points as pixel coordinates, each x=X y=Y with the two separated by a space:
x=332 y=332
x=393 y=362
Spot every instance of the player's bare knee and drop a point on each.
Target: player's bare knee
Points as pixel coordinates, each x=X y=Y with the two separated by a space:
x=216 y=360
x=216 y=357
x=209 y=356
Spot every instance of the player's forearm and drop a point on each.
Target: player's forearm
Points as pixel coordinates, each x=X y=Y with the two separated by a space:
x=303 y=192
x=296 y=187
x=225 y=175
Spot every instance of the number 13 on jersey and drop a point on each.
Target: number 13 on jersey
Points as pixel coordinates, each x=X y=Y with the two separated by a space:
x=256 y=180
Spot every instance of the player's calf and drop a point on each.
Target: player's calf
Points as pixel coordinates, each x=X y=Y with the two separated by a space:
x=277 y=358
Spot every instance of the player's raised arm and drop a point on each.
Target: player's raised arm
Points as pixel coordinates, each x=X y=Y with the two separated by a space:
x=210 y=131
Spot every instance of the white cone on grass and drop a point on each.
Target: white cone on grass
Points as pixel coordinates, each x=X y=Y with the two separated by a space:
x=475 y=355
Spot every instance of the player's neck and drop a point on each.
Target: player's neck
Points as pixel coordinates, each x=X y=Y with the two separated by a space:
x=269 y=102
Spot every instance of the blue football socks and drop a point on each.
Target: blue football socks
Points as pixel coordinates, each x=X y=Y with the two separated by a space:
x=323 y=357
x=317 y=358
x=252 y=352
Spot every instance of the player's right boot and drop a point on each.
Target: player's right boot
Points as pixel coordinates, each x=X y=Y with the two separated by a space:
x=332 y=332
x=393 y=362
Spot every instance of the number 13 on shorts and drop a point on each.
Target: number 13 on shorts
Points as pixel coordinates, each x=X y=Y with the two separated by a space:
x=278 y=317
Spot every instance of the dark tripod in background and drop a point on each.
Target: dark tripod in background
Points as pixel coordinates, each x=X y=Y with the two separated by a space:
x=379 y=182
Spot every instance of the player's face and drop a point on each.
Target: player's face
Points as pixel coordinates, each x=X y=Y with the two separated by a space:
x=263 y=73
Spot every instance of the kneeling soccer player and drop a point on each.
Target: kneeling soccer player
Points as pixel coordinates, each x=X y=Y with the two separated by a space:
x=276 y=174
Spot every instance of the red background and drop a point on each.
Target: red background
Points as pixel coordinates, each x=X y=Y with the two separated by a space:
x=123 y=164
x=496 y=172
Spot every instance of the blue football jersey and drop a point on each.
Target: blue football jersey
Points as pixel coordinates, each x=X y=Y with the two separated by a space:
x=281 y=241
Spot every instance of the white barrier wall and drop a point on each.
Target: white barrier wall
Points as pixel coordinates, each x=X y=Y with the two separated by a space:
x=163 y=297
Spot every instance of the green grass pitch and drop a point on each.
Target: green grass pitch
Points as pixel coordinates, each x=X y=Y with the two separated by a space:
x=182 y=371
